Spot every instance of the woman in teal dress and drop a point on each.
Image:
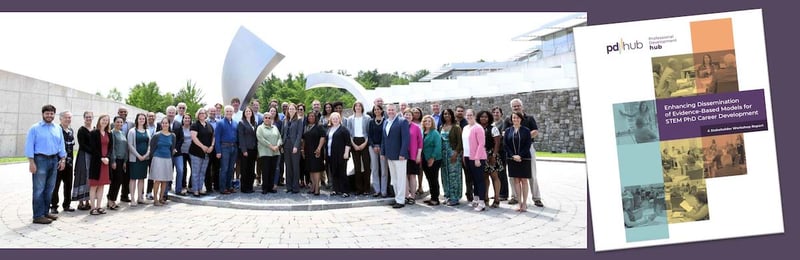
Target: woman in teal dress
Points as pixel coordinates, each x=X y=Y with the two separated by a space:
x=451 y=157
x=138 y=153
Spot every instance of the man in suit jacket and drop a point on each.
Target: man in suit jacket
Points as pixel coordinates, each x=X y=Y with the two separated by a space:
x=394 y=148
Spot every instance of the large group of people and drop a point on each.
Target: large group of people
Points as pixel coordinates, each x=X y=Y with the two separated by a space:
x=229 y=149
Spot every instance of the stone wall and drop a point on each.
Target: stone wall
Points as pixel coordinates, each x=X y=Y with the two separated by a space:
x=21 y=101
x=557 y=113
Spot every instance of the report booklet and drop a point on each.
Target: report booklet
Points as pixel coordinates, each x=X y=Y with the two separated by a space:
x=678 y=130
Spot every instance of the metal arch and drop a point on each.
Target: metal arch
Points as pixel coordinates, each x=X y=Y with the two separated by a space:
x=248 y=62
x=319 y=80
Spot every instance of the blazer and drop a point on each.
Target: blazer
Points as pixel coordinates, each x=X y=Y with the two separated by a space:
x=292 y=134
x=341 y=139
x=395 y=144
x=519 y=144
x=177 y=130
x=477 y=143
x=247 y=136
x=132 y=153
x=96 y=163
x=365 y=121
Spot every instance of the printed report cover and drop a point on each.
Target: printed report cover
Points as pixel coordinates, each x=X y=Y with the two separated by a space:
x=679 y=134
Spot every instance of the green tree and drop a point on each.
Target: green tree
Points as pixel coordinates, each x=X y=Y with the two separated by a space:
x=114 y=94
x=148 y=96
x=192 y=96
x=168 y=99
x=369 y=79
x=292 y=89
x=418 y=75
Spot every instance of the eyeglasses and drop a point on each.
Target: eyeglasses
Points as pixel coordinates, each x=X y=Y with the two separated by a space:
x=181 y=108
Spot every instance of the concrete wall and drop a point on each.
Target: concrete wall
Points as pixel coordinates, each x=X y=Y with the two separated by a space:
x=557 y=114
x=21 y=101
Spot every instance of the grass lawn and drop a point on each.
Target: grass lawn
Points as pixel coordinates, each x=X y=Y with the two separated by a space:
x=10 y=160
x=560 y=155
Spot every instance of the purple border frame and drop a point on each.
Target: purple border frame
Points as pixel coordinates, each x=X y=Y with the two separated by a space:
x=778 y=17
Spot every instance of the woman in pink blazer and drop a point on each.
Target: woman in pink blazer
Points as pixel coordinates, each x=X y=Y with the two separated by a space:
x=474 y=142
x=415 y=157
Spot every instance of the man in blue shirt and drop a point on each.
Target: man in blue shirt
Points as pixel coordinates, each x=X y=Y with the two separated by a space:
x=46 y=154
x=225 y=138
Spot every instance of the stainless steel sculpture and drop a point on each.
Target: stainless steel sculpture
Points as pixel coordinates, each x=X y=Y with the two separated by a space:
x=248 y=62
x=319 y=80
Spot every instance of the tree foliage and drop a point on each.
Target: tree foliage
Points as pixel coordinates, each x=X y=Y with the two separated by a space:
x=372 y=79
x=292 y=89
x=148 y=96
x=114 y=94
x=192 y=96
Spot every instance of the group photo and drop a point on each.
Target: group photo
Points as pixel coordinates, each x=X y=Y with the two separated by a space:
x=264 y=135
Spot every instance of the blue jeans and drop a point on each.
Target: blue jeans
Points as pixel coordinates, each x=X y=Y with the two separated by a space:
x=44 y=181
x=177 y=161
x=226 y=163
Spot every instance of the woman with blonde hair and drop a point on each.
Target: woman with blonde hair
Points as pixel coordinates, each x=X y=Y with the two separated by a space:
x=201 y=149
x=415 y=160
x=431 y=157
x=474 y=142
x=338 y=144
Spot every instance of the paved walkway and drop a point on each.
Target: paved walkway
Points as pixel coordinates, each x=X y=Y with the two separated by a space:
x=562 y=223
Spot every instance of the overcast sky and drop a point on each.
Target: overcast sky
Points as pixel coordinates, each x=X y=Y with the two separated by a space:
x=97 y=51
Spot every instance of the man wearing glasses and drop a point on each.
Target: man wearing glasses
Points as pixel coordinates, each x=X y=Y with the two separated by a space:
x=181 y=112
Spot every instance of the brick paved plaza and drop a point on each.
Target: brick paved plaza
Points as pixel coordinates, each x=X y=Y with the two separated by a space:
x=560 y=224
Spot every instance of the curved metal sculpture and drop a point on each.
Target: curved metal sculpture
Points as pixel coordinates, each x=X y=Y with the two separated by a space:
x=320 y=80
x=248 y=62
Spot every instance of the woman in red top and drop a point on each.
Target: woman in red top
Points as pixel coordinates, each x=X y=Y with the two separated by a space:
x=99 y=170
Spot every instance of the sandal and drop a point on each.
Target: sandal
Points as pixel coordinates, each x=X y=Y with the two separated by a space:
x=94 y=212
x=495 y=204
x=158 y=203
x=101 y=210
